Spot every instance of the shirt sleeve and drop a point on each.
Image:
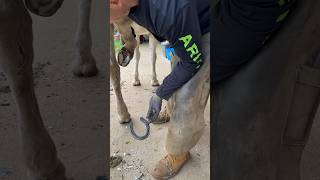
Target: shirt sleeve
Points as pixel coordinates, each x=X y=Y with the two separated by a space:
x=185 y=36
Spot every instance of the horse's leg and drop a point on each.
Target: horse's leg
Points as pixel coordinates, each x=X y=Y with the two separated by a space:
x=126 y=53
x=122 y=109
x=124 y=27
x=153 y=56
x=16 y=56
x=84 y=64
x=164 y=115
x=136 y=81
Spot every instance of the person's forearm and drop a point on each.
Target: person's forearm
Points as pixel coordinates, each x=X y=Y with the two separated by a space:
x=181 y=74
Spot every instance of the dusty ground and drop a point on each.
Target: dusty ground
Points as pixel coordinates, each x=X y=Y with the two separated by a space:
x=140 y=156
x=73 y=109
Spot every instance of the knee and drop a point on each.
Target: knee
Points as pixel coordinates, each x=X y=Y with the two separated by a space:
x=193 y=95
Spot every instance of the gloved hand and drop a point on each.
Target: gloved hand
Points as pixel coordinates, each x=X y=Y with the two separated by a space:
x=154 y=107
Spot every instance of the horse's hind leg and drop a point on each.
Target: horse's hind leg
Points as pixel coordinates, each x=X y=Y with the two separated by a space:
x=16 y=56
x=84 y=63
x=136 y=81
x=153 y=56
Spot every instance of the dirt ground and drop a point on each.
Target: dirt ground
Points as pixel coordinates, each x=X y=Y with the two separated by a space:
x=74 y=110
x=140 y=156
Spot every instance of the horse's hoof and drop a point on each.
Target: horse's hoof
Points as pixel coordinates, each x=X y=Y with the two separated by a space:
x=155 y=83
x=125 y=121
x=136 y=83
x=163 y=117
x=124 y=57
x=84 y=67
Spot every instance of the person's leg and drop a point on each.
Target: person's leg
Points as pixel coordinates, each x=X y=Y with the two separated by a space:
x=187 y=118
x=188 y=105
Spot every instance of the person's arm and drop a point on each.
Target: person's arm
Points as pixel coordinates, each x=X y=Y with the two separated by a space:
x=185 y=36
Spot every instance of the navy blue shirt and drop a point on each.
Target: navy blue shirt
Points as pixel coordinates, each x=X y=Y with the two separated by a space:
x=182 y=23
x=241 y=29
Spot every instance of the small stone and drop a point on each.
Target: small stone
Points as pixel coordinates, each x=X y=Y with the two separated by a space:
x=138 y=177
x=115 y=161
x=129 y=167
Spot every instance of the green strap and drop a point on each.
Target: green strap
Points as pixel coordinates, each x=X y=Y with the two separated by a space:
x=282 y=16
